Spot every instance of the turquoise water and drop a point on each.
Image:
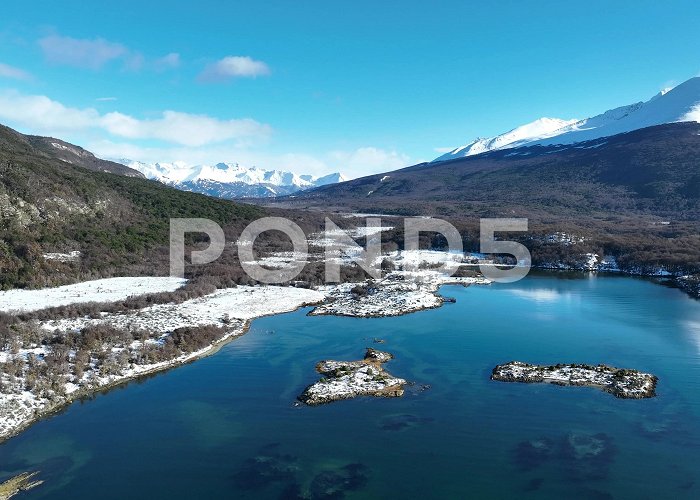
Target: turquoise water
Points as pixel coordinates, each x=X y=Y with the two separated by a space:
x=194 y=432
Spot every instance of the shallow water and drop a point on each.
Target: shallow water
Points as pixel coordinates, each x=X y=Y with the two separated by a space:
x=226 y=426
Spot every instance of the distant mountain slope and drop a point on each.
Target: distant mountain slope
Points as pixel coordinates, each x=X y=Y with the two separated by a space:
x=543 y=127
x=115 y=222
x=652 y=171
x=61 y=150
x=682 y=103
x=230 y=180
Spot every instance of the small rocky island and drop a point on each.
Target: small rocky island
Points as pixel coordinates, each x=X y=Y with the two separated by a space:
x=621 y=383
x=18 y=484
x=349 y=379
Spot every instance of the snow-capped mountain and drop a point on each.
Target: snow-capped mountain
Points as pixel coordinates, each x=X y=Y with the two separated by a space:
x=541 y=128
x=230 y=180
x=681 y=103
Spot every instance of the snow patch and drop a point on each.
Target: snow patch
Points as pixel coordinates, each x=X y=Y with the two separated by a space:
x=104 y=290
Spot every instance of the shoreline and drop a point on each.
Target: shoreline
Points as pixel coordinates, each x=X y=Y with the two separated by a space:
x=88 y=393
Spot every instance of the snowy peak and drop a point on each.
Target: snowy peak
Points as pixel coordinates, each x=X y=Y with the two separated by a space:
x=681 y=103
x=676 y=105
x=538 y=129
x=230 y=180
x=329 y=179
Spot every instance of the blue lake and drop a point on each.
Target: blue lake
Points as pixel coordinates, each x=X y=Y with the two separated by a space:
x=226 y=426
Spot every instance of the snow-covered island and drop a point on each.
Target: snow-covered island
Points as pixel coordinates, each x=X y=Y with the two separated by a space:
x=620 y=382
x=398 y=293
x=350 y=379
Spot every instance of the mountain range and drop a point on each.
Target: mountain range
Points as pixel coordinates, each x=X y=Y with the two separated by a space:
x=230 y=180
x=638 y=160
x=679 y=104
x=646 y=173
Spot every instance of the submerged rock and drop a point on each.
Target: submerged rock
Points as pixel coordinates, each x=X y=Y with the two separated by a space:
x=330 y=484
x=621 y=383
x=587 y=456
x=579 y=456
x=533 y=484
x=333 y=484
x=531 y=454
x=402 y=421
x=270 y=466
x=349 y=379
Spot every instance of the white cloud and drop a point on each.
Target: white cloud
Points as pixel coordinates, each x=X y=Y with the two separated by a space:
x=7 y=71
x=41 y=114
x=97 y=52
x=83 y=53
x=369 y=160
x=134 y=61
x=168 y=61
x=234 y=67
x=693 y=115
x=183 y=128
x=104 y=99
x=192 y=138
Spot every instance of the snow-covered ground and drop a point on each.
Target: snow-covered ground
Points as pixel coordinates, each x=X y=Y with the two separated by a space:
x=216 y=309
x=230 y=308
x=19 y=409
x=329 y=238
x=63 y=257
x=104 y=290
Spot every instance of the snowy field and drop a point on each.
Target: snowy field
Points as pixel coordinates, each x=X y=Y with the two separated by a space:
x=216 y=309
x=105 y=290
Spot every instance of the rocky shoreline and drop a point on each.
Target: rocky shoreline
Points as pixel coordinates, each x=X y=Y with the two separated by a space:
x=18 y=484
x=620 y=382
x=350 y=379
x=33 y=415
x=690 y=285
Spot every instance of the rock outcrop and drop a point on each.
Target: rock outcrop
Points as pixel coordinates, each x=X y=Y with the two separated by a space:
x=349 y=379
x=621 y=383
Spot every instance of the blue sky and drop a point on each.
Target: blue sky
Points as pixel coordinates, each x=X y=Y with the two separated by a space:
x=315 y=87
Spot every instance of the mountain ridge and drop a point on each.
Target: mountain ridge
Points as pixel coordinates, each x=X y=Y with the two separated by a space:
x=647 y=171
x=50 y=147
x=230 y=180
x=678 y=104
